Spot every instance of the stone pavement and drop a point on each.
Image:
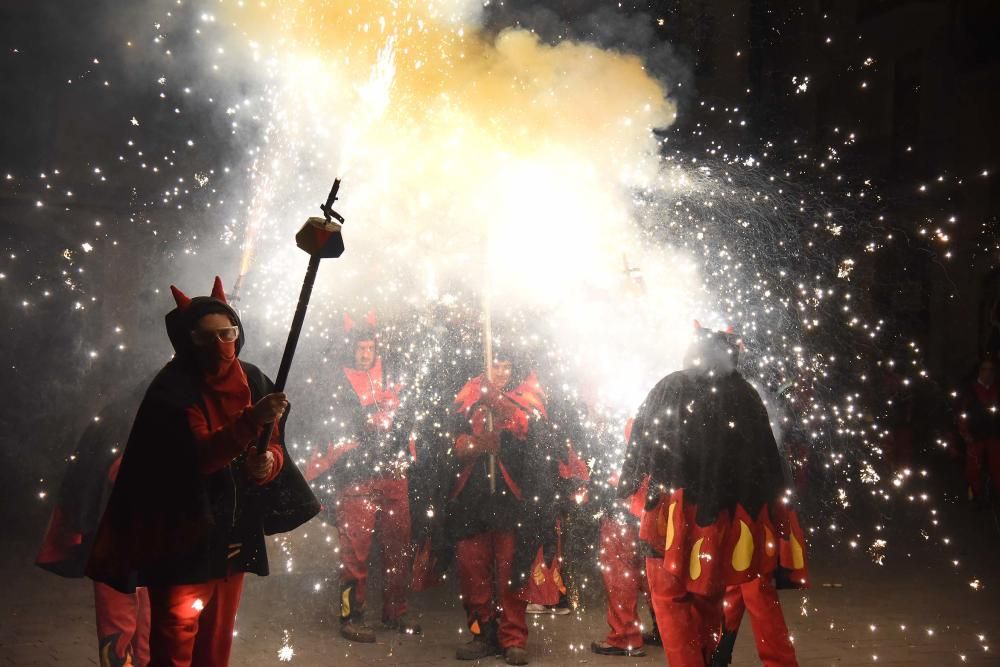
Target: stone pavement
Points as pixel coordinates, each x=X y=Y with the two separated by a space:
x=917 y=609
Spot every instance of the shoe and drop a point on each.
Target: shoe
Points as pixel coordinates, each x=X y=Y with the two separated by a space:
x=604 y=648
x=357 y=631
x=543 y=609
x=515 y=655
x=480 y=647
x=403 y=625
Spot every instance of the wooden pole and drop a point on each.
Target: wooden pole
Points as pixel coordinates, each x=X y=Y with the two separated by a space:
x=491 y=469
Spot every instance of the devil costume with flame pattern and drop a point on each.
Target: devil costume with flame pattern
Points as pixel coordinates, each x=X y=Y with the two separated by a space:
x=717 y=513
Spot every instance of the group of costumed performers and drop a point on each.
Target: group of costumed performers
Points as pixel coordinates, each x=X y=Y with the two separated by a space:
x=717 y=519
x=193 y=498
x=698 y=519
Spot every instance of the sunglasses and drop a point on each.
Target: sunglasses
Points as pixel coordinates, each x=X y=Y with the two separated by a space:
x=223 y=335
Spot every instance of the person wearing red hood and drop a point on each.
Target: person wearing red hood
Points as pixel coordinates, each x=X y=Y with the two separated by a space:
x=503 y=536
x=193 y=498
x=368 y=458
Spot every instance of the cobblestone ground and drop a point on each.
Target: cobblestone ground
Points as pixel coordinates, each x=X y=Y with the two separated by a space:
x=916 y=610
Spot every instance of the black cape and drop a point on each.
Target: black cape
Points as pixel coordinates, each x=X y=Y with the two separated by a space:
x=86 y=487
x=162 y=523
x=709 y=435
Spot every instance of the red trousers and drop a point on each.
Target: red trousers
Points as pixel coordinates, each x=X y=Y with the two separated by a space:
x=690 y=625
x=760 y=599
x=480 y=559
x=982 y=456
x=122 y=626
x=364 y=508
x=192 y=624
x=624 y=580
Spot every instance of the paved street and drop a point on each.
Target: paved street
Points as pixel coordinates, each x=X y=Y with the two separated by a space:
x=919 y=610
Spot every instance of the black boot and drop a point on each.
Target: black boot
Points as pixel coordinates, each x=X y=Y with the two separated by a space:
x=352 y=617
x=403 y=625
x=355 y=630
x=723 y=655
x=483 y=645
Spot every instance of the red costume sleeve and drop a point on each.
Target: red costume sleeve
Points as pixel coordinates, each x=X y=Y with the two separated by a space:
x=219 y=447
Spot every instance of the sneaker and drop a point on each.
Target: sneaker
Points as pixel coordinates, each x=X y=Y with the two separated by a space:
x=480 y=647
x=550 y=609
x=357 y=631
x=403 y=625
x=604 y=648
x=515 y=655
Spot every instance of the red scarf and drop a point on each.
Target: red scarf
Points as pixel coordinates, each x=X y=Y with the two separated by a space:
x=226 y=392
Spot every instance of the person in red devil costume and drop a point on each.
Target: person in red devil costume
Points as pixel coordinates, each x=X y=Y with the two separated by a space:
x=369 y=456
x=716 y=514
x=979 y=426
x=759 y=598
x=622 y=569
x=122 y=618
x=193 y=499
x=509 y=535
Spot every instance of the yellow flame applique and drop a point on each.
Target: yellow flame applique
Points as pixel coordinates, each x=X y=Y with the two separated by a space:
x=670 y=525
x=798 y=557
x=694 y=568
x=743 y=553
x=474 y=628
x=539 y=575
x=345 y=603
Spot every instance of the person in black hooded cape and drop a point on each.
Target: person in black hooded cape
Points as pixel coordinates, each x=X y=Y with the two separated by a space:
x=193 y=499
x=716 y=510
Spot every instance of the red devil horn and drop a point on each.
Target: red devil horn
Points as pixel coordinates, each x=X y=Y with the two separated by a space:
x=180 y=297
x=217 y=291
x=348 y=323
x=730 y=329
x=697 y=325
x=370 y=318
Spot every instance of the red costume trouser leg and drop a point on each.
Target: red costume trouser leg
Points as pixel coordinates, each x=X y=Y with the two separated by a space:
x=689 y=624
x=621 y=570
x=479 y=557
x=192 y=624
x=975 y=453
x=982 y=455
x=364 y=508
x=760 y=599
x=122 y=625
